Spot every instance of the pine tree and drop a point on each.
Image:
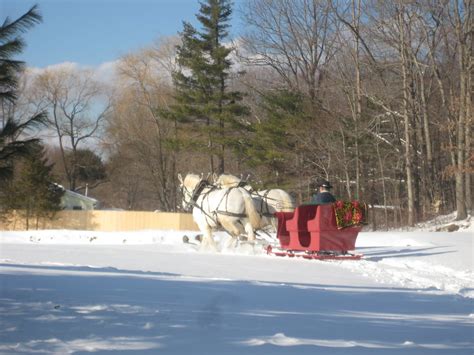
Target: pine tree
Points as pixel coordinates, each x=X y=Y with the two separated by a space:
x=11 y=44
x=33 y=193
x=273 y=142
x=90 y=170
x=202 y=93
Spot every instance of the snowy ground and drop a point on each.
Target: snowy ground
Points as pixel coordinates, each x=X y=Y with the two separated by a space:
x=65 y=292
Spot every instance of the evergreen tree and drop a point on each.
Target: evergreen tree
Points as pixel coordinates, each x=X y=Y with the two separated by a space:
x=273 y=142
x=202 y=93
x=89 y=166
x=33 y=192
x=12 y=44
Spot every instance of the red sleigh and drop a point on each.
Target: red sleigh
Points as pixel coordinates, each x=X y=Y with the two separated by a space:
x=320 y=232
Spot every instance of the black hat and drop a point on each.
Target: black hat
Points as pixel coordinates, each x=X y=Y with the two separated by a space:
x=326 y=184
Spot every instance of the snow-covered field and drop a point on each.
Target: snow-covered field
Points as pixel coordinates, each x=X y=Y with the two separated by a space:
x=65 y=292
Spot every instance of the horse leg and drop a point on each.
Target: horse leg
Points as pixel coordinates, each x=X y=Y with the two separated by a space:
x=236 y=229
x=232 y=229
x=231 y=243
x=249 y=230
x=207 y=239
x=264 y=222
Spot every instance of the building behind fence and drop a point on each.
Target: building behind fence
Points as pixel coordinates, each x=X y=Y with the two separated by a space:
x=98 y=220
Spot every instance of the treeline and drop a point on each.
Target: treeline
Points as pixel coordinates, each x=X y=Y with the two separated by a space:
x=374 y=96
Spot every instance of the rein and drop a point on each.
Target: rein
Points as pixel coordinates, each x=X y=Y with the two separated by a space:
x=264 y=201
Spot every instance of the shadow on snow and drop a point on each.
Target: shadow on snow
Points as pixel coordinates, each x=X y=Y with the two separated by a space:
x=80 y=309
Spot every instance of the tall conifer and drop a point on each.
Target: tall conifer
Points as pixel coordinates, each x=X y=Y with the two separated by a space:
x=203 y=96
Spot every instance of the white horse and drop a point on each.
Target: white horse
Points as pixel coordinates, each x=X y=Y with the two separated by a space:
x=229 y=208
x=267 y=202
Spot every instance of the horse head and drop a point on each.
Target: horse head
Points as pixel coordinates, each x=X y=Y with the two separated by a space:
x=189 y=187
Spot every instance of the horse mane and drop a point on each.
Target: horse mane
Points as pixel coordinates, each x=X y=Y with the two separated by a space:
x=227 y=181
x=192 y=180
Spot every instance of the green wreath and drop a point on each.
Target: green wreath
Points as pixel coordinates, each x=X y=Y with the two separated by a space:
x=350 y=214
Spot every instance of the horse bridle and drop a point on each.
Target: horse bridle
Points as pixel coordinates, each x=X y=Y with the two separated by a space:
x=194 y=195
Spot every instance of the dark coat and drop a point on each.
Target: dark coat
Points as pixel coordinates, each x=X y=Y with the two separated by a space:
x=322 y=198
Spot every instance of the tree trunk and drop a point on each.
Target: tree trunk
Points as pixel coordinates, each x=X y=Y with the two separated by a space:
x=358 y=100
x=346 y=171
x=469 y=153
x=382 y=177
x=462 y=26
x=429 y=190
x=461 y=211
x=407 y=128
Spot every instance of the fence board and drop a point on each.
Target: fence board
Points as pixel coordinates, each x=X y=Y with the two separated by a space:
x=104 y=221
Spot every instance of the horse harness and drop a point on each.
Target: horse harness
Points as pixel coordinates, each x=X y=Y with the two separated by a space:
x=263 y=208
x=197 y=192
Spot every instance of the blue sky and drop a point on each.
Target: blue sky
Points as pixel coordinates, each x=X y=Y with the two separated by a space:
x=91 y=32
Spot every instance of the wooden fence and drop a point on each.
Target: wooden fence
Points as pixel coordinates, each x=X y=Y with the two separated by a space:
x=103 y=221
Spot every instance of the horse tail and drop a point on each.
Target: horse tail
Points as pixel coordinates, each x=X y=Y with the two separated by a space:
x=251 y=211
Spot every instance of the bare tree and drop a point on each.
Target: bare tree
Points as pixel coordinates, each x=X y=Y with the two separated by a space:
x=447 y=27
x=137 y=130
x=352 y=77
x=394 y=53
x=403 y=43
x=294 y=37
x=461 y=15
x=77 y=106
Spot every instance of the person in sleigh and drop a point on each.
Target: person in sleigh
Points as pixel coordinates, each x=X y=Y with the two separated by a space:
x=324 y=196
